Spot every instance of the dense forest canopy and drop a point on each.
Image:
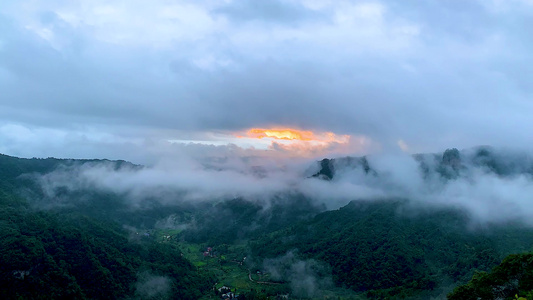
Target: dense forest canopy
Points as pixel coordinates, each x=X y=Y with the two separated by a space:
x=81 y=240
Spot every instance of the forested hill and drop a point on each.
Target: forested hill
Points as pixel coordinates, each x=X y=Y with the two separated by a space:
x=78 y=241
x=508 y=280
x=388 y=248
x=75 y=241
x=66 y=255
x=11 y=168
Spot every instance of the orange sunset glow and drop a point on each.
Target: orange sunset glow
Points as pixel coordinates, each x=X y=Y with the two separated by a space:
x=281 y=134
x=295 y=135
x=305 y=143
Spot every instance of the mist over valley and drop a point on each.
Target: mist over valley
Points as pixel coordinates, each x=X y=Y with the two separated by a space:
x=411 y=226
x=253 y=149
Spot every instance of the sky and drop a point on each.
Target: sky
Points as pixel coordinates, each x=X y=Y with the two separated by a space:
x=142 y=80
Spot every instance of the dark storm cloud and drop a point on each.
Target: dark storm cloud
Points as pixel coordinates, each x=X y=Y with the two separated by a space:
x=433 y=74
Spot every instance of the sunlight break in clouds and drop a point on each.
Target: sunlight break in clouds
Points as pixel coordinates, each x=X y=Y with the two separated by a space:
x=282 y=134
x=304 y=143
x=281 y=143
x=383 y=69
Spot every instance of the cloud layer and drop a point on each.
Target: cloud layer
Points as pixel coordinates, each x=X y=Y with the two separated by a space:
x=492 y=186
x=430 y=75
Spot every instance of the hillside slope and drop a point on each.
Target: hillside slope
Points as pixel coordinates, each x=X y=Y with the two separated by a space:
x=67 y=255
x=386 y=248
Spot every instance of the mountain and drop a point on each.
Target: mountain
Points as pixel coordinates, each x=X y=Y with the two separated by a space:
x=451 y=164
x=513 y=277
x=64 y=237
x=68 y=255
x=388 y=248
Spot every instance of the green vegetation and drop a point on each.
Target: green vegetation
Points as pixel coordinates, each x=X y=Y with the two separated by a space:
x=76 y=243
x=67 y=255
x=86 y=243
x=386 y=249
x=508 y=280
x=237 y=220
x=48 y=255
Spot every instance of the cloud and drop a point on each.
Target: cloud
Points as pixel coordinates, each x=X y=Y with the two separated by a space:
x=492 y=188
x=150 y=286
x=115 y=79
x=432 y=75
x=283 y=12
x=490 y=198
x=176 y=181
x=307 y=278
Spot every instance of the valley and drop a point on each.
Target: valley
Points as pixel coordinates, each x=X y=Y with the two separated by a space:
x=65 y=239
